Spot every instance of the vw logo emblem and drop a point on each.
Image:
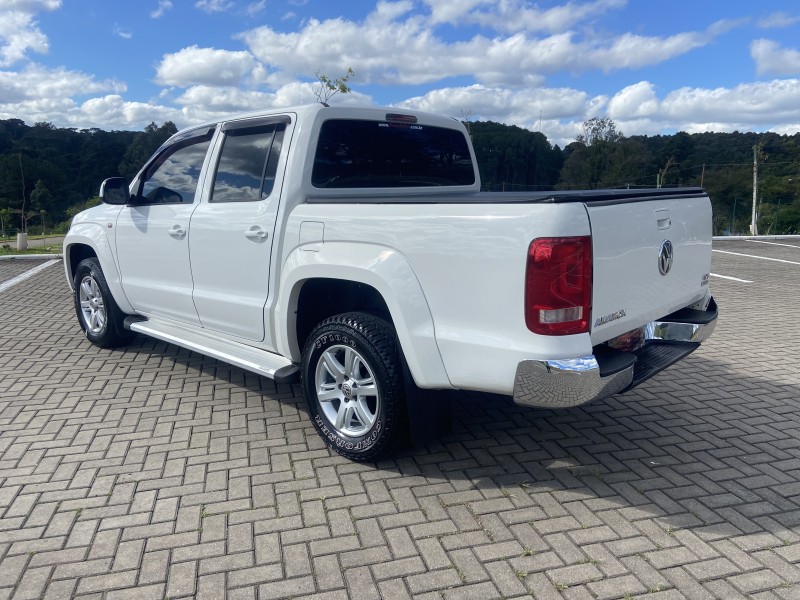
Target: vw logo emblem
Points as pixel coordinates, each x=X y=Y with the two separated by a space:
x=665 y=257
x=347 y=390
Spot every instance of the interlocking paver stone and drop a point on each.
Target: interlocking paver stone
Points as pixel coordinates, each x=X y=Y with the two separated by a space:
x=150 y=471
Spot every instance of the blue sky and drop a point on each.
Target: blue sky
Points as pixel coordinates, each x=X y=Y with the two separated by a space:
x=652 y=67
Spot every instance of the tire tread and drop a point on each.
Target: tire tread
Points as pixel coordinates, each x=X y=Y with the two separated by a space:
x=381 y=335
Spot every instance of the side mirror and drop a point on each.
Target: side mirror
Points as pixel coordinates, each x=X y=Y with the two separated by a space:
x=114 y=190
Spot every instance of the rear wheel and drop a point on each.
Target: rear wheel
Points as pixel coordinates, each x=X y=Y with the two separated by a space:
x=98 y=313
x=353 y=385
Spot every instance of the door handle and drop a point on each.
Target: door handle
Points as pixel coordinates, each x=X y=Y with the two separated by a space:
x=177 y=232
x=256 y=233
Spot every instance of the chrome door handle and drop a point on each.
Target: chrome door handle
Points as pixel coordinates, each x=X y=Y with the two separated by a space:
x=256 y=233
x=177 y=232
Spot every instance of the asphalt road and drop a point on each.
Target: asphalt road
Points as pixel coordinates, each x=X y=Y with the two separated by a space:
x=153 y=472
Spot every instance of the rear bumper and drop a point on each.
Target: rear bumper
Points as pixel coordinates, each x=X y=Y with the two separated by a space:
x=575 y=381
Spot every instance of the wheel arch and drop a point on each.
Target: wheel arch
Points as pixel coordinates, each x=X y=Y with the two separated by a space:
x=84 y=241
x=342 y=277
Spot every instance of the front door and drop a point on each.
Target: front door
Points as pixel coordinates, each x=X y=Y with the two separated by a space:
x=152 y=231
x=231 y=235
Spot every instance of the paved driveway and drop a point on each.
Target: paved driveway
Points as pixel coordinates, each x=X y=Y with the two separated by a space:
x=153 y=472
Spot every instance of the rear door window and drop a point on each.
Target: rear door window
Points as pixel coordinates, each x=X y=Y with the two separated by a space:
x=366 y=154
x=248 y=163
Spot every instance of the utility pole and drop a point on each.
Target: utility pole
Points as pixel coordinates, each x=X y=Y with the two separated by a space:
x=754 y=218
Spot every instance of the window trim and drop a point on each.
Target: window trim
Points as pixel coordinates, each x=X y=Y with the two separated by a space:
x=257 y=122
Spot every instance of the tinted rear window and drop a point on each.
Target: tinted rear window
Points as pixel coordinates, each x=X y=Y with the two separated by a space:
x=360 y=154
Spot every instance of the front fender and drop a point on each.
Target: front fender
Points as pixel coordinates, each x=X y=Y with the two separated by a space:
x=382 y=268
x=93 y=236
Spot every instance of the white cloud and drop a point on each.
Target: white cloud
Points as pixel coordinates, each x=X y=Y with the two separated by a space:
x=778 y=20
x=213 y=6
x=221 y=101
x=254 y=8
x=636 y=109
x=19 y=32
x=771 y=58
x=635 y=101
x=163 y=7
x=36 y=81
x=225 y=99
x=208 y=66
x=518 y=15
x=29 y=6
x=501 y=73
x=635 y=51
x=114 y=109
x=760 y=104
x=123 y=33
x=518 y=107
x=387 y=49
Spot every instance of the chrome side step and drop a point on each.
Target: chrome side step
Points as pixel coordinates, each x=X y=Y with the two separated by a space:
x=253 y=359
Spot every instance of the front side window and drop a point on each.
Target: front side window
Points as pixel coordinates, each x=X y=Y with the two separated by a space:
x=248 y=163
x=172 y=178
x=362 y=154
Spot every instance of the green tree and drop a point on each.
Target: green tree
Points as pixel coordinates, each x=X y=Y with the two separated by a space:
x=143 y=147
x=327 y=88
x=41 y=201
x=599 y=130
x=5 y=220
x=599 y=157
x=511 y=158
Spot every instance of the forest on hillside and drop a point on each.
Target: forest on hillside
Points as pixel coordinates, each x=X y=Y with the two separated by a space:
x=48 y=174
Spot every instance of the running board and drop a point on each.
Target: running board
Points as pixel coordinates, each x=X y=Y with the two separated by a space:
x=274 y=366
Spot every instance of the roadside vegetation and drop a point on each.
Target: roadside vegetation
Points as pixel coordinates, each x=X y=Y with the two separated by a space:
x=48 y=174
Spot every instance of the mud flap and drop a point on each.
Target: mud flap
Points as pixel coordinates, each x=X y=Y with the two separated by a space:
x=429 y=411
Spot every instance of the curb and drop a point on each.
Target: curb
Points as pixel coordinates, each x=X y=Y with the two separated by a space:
x=720 y=238
x=30 y=256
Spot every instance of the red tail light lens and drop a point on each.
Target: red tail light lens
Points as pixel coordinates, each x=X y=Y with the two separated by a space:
x=558 y=285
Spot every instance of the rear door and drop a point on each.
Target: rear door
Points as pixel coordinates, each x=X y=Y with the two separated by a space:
x=650 y=258
x=232 y=233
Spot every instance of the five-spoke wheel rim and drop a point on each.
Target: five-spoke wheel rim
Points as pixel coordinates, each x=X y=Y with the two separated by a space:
x=93 y=309
x=347 y=392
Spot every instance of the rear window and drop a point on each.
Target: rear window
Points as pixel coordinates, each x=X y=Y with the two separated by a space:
x=363 y=154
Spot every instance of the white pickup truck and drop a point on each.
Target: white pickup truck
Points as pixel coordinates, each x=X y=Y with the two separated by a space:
x=351 y=250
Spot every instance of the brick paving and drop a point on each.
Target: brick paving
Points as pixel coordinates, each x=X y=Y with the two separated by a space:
x=13 y=267
x=153 y=472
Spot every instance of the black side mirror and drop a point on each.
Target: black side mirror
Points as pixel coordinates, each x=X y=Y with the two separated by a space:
x=114 y=190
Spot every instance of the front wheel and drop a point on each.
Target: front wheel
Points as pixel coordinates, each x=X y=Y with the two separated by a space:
x=353 y=384
x=98 y=313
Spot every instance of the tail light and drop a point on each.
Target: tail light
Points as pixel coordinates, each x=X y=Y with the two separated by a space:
x=558 y=285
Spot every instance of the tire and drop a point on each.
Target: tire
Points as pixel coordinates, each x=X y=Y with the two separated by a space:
x=98 y=314
x=352 y=380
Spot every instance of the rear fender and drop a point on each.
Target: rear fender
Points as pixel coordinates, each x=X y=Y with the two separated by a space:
x=386 y=271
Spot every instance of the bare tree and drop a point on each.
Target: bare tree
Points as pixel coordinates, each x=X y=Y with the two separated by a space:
x=466 y=118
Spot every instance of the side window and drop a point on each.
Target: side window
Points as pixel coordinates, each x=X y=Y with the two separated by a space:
x=172 y=178
x=248 y=163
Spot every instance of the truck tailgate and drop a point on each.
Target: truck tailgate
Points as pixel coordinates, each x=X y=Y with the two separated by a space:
x=651 y=257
